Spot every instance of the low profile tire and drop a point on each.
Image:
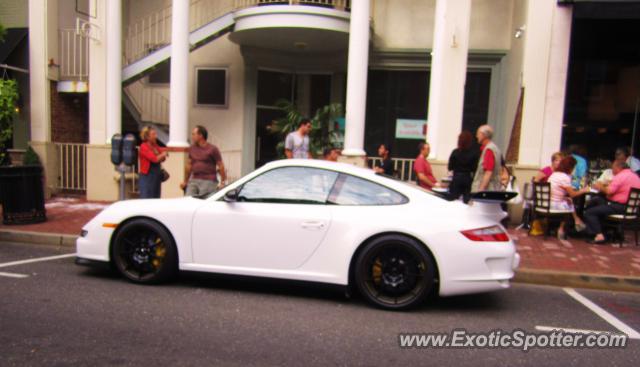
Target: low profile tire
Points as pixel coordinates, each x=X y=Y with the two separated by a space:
x=143 y=252
x=395 y=272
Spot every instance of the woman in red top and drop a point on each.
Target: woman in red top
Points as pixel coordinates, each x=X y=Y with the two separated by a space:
x=151 y=155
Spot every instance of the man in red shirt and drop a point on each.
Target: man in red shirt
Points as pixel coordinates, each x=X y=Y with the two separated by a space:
x=424 y=173
x=617 y=193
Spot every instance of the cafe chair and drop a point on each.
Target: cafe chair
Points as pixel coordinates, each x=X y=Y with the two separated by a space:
x=628 y=219
x=542 y=207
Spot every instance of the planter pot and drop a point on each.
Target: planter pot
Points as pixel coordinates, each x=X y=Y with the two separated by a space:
x=22 y=194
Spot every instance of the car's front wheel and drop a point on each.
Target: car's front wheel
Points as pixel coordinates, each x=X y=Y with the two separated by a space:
x=144 y=252
x=395 y=272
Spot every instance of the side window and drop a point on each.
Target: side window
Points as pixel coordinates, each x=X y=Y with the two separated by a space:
x=350 y=190
x=297 y=185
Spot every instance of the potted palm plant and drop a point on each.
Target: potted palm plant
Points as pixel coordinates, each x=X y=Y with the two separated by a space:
x=323 y=133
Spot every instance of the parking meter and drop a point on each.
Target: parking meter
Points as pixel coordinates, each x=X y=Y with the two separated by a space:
x=129 y=151
x=116 y=149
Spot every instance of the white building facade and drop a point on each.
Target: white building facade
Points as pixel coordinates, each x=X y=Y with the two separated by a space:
x=223 y=64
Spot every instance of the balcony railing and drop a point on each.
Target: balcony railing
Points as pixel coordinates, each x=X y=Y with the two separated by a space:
x=153 y=31
x=74 y=55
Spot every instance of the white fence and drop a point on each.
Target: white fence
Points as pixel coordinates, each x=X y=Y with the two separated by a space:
x=72 y=166
x=402 y=167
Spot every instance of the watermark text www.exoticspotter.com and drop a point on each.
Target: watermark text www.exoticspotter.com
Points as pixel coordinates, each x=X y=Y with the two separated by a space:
x=516 y=339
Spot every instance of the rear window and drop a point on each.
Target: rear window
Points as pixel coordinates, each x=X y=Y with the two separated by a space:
x=350 y=190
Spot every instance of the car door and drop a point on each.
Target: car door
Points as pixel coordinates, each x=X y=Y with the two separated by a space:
x=280 y=218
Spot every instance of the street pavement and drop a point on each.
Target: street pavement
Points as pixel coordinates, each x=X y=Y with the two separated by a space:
x=54 y=313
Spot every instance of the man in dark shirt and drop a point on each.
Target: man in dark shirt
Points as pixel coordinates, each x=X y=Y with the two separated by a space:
x=205 y=161
x=386 y=164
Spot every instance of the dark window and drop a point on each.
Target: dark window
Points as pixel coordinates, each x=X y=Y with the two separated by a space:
x=291 y=185
x=350 y=190
x=603 y=81
x=211 y=87
x=273 y=86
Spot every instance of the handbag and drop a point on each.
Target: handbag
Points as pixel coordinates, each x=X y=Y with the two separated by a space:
x=163 y=172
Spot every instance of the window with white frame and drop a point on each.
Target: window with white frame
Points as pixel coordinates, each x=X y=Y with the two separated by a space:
x=211 y=87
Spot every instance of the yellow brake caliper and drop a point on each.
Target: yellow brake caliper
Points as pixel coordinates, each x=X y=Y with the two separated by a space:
x=376 y=272
x=160 y=252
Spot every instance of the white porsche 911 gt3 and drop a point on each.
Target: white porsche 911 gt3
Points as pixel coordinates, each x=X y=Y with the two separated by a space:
x=313 y=221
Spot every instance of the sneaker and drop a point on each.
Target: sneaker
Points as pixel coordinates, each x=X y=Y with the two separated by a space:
x=580 y=227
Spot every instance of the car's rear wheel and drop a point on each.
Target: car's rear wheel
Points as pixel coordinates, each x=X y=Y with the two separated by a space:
x=395 y=272
x=144 y=252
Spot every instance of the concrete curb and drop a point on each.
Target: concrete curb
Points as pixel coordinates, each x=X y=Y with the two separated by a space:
x=51 y=239
x=578 y=280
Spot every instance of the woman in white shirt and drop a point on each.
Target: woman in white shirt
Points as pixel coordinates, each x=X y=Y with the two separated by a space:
x=562 y=192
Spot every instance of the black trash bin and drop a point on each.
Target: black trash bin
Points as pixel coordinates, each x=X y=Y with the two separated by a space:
x=22 y=194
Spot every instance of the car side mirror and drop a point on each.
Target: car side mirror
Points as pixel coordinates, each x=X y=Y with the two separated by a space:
x=231 y=196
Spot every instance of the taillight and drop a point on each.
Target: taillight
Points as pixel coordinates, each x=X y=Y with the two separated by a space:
x=486 y=234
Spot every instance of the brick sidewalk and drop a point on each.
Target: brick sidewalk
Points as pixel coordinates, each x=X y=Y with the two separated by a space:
x=65 y=215
x=577 y=256
x=68 y=215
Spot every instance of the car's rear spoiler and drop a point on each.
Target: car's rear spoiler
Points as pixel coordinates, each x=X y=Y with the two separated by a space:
x=487 y=203
x=496 y=197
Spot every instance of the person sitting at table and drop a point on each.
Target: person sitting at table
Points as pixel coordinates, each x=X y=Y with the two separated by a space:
x=562 y=192
x=617 y=193
x=386 y=164
x=544 y=174
x=424 y=173
x=462 y=163
x=624 y=154
x=580 y=172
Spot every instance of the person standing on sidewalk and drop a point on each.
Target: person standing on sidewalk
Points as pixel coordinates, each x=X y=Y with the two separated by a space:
x=487 y=177
x=296 y=144
x=422 y=167
x=150 y=157
x=462 y=164
x=205 y=161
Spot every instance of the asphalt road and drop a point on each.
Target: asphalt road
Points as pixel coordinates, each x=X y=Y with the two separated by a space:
x=60 y=314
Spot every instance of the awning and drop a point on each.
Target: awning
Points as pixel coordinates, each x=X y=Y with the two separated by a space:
x=12 y=38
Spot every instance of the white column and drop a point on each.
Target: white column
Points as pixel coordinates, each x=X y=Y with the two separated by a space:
x=179 y=111
x=357 y=70
x=38 y=72
x=545 y=67
x=448 y=75
x=98 y=76
x=114 y=68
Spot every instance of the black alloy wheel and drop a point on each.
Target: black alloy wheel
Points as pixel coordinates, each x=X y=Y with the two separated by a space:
x=144 y=252
x=395 y=272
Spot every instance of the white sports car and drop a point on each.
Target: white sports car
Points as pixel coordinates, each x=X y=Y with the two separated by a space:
x=314 y=221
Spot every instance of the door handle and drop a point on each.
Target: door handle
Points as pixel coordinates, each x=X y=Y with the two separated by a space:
x=312 y=225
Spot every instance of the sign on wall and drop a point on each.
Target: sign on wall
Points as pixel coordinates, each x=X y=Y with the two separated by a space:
x=411 y=129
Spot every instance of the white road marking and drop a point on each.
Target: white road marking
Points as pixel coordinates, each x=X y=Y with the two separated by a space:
x=13 y=275
x=631 y=333
x=571 y=331
x=37 y=259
